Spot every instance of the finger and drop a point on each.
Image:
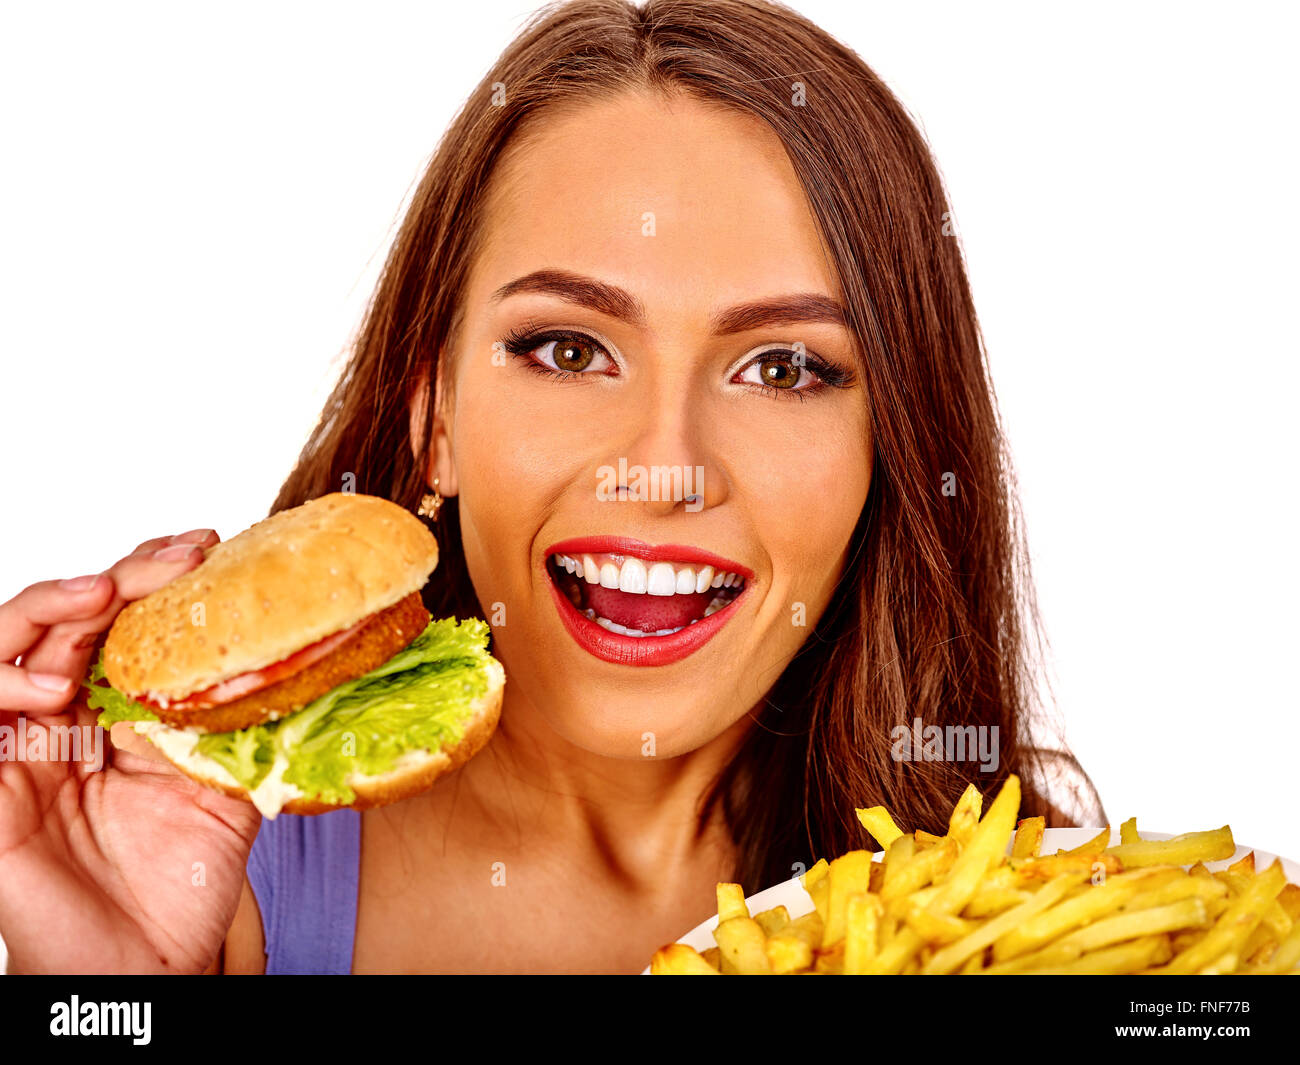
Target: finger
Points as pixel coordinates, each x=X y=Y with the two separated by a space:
x=139 y=575
x=68 y=648
x=126 y=739
x=25 y=618
x=22 y=689
x=202 y=537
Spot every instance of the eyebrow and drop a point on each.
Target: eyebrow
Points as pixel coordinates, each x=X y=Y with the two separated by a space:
x=618 y=303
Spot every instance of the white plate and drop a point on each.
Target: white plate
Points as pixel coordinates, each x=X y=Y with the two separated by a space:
x=791 y=894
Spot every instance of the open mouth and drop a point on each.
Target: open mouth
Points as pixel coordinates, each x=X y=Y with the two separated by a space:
x=635 y=597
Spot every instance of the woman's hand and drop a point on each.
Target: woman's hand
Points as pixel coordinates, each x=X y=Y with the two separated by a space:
x=134 y=868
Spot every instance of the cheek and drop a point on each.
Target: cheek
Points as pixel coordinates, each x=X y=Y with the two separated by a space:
x=497 y=473
x=512 y=467
x=494 y=453
x=806 y=494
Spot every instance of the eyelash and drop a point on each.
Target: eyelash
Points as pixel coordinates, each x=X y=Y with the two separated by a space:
x=522 y=342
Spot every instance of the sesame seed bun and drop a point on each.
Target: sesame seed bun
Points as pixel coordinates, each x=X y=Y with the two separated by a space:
x=255 y=599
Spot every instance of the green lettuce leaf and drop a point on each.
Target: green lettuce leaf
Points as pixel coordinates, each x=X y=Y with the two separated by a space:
x=112 y=704
x=419 y=699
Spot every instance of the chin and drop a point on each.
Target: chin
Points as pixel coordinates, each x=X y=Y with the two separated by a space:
x=640 y=731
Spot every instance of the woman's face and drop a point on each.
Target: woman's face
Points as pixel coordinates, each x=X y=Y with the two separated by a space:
x=652 y=236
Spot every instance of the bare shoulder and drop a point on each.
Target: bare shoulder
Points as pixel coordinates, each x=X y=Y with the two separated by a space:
x=244 y=953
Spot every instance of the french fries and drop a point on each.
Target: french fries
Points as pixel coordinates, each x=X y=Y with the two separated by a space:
x=983 y=899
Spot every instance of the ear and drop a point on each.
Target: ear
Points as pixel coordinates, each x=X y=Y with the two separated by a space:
x=438 y=459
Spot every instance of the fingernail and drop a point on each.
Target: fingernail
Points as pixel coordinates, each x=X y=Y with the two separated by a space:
x=50 y=681
x=193 y=536
x=80 y=584
x=175 y=553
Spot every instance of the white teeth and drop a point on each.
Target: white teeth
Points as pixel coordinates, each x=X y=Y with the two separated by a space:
x=614 y=626
x=622 y=630
x=717 y=604
x=647 y=578
x=632 y=577
x=685 y=581
x=660 y=580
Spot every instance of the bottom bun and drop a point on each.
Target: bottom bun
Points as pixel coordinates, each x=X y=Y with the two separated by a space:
x=414 y=772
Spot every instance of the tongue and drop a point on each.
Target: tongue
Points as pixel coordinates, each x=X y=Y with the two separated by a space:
x=649 y=613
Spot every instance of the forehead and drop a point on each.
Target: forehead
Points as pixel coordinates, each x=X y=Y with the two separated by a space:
x=689 y=205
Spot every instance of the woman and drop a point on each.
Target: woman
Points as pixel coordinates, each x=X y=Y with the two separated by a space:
x=644 y=225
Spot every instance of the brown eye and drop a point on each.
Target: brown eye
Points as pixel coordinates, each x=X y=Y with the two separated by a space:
x=561 y=353
x=573 y=355
x=779 y=373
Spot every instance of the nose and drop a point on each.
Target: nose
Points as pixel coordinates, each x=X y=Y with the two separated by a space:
x=664 y=457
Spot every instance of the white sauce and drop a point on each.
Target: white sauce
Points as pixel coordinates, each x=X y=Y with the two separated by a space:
x=270 y=796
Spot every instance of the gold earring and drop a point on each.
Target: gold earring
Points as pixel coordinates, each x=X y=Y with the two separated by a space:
x=430 y=503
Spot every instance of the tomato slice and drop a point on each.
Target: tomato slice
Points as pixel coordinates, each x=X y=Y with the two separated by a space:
x=227 y=691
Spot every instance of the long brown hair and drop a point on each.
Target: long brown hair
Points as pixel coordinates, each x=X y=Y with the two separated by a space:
x=934 y=617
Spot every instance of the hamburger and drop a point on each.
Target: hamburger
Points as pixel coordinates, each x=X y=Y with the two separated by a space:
x=296 y=666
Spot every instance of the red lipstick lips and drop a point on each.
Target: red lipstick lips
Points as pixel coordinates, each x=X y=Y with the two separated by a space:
x=642 y=650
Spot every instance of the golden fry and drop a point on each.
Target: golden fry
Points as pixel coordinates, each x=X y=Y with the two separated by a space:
x=788 y=953
x=1029 y=837
x=877 y=821
x=815 y=873
x=960 y=903
x=773 y=920
x=861 y=932
x=1091 y=904
x=1181 y=850
x=1244 y=865
x=731 y=902
x=1126 y=958
x=677 y=959
x=987 y=845
x=1174 y=885
x=1050 y=866
x=966 y=814
x=743 y=947
x=1286 y=958
x=951 y=956
x=939 y=929
x=1234 y=925
x=831 y=961
x=907 y=877
x=1289 y=900
x=817 y=886
x=1098 y=842
x=849 y=875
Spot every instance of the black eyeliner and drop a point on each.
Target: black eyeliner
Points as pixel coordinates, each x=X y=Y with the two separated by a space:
x=522 y=342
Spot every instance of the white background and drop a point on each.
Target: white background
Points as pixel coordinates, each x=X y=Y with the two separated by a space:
x=195 y=202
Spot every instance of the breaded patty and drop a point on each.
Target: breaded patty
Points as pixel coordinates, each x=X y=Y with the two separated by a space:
x=381 y=637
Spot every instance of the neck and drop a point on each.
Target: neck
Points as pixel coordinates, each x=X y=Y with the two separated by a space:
x=640 y=816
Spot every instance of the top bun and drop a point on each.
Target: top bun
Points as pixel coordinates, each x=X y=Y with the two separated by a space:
x=288 y=581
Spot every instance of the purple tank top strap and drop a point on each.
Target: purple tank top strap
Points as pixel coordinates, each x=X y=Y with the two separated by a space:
x=304 y=871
